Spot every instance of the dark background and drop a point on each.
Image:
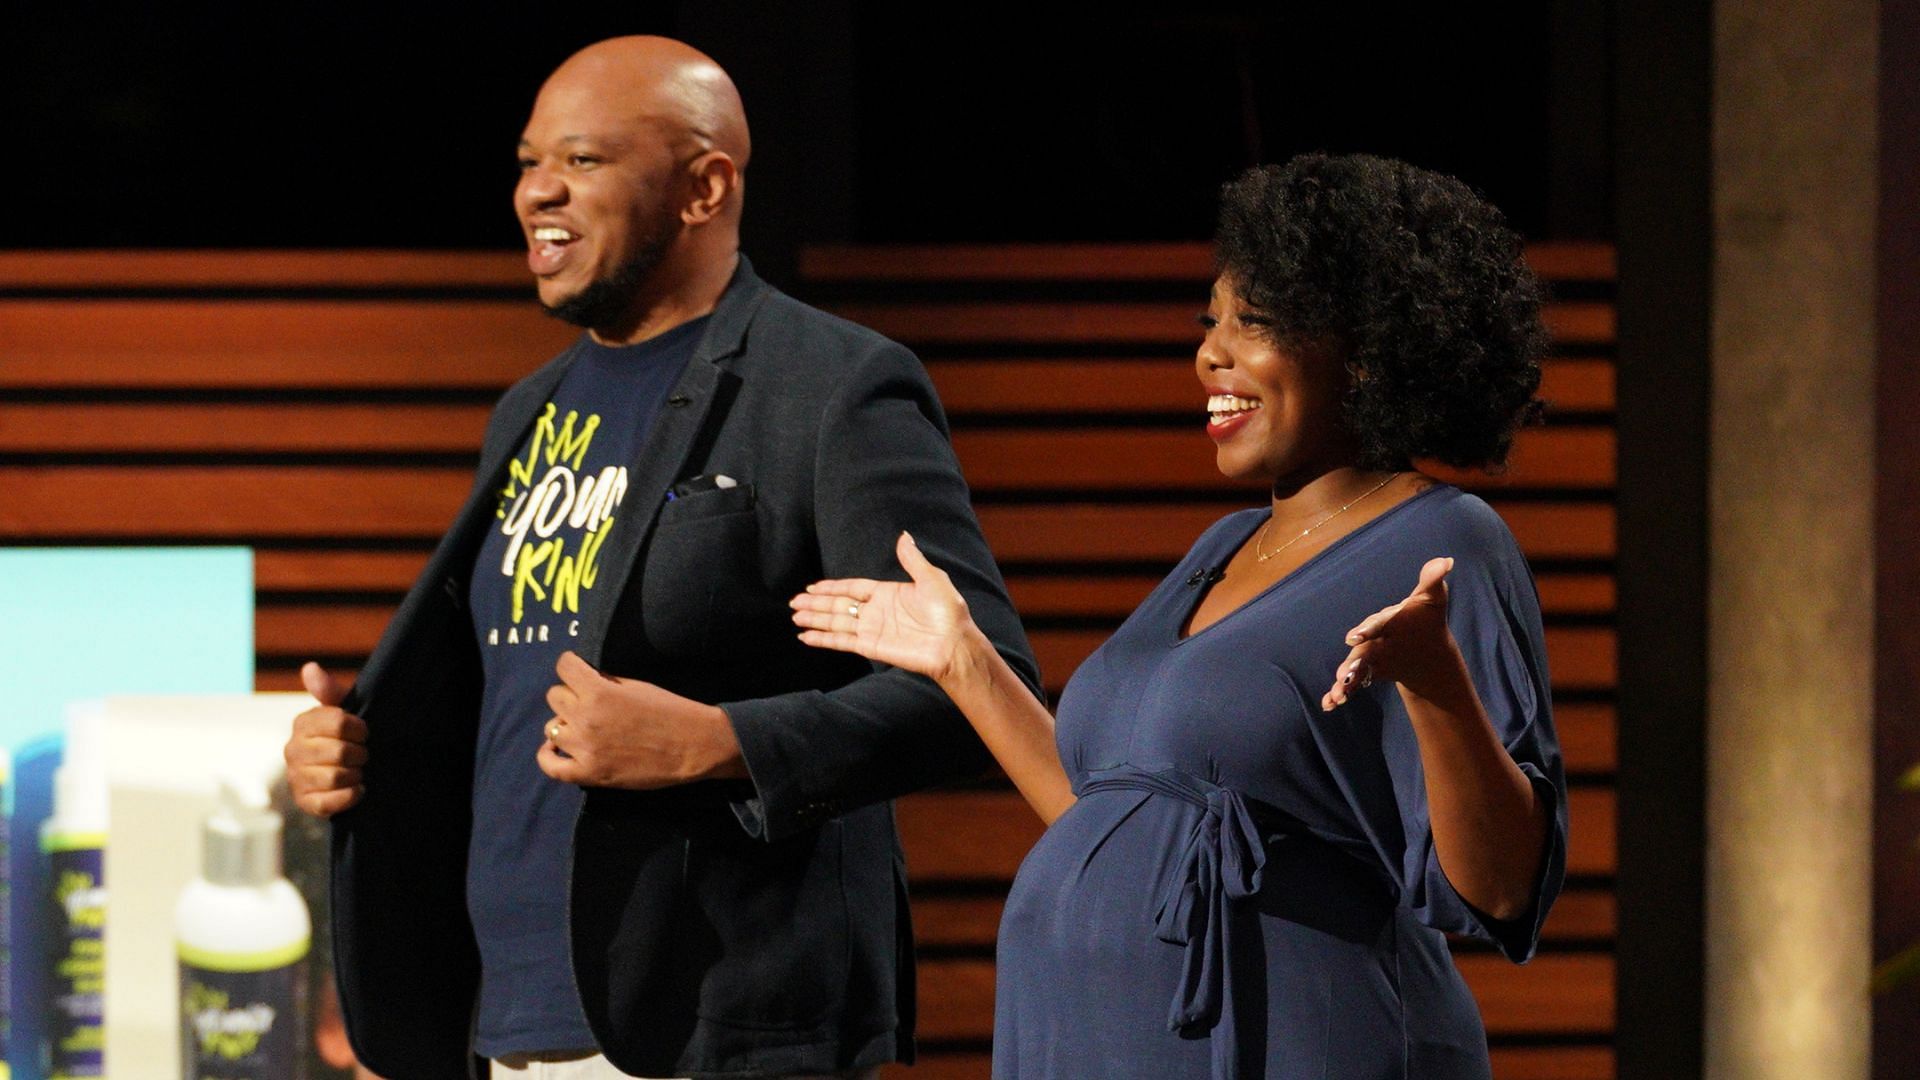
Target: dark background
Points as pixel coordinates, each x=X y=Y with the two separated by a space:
x=311 y=125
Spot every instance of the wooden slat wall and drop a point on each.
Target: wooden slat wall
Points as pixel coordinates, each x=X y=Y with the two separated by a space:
x=325 y=408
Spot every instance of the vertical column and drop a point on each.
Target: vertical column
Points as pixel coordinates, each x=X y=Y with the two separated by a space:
x=1662 y=179
x=1790 y=649
x=1896 y=894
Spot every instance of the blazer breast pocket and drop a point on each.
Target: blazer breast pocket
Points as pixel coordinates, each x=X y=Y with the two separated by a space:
x=703 y=587
x=712 y=502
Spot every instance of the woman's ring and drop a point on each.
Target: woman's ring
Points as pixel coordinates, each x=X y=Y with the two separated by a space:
x=853 y=610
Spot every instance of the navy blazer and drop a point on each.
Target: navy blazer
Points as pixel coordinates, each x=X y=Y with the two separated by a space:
x=724 y=928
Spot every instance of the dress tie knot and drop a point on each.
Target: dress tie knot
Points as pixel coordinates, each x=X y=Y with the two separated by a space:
x=1209 y=903
x=1221 y=863
x=1219 y=866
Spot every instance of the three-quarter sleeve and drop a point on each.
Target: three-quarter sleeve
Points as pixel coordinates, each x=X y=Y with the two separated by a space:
x=1494 y=614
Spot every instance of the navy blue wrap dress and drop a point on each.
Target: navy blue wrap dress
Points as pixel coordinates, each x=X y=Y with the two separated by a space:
x=1247 y=886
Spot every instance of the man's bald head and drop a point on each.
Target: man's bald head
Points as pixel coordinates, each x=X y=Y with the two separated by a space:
x=630 y=185
x=662 y=81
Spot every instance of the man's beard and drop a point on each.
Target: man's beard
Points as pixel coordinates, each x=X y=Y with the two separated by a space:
x=604 y=302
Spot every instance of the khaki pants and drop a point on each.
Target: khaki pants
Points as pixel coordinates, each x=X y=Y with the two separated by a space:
x=574 y=1066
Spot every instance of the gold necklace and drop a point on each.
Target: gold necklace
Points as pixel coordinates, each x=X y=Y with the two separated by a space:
x=1261 y=539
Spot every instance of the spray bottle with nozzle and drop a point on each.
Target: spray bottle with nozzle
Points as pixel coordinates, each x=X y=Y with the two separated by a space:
x=243 y=932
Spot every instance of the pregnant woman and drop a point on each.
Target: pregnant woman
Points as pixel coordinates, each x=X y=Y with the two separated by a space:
x=1323 y=742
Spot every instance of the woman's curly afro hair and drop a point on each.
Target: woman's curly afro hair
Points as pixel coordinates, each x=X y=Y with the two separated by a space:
x=1410 y=279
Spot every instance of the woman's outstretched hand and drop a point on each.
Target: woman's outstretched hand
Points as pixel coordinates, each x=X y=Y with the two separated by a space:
x=919 y=625
x=922 y=625
x=1407 y=643
x=1490 y=821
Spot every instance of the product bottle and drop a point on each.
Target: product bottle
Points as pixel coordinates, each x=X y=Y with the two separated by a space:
x=6 y=912
x=242 y=931
x=75 y=840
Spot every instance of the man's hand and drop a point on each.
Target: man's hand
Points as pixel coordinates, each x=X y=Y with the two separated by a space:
x=327 y=749
x=613 y=732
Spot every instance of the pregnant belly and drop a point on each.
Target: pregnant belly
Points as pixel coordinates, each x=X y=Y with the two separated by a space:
x=1087 y=987
x=1091 y=885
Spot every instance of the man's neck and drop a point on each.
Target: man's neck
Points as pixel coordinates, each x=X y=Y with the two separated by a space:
x=682 y=299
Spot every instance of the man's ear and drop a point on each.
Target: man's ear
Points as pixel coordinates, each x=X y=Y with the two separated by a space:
x=716 y=182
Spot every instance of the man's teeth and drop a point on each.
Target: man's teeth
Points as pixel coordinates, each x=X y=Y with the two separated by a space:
x=559 y=236
x=1221 y=406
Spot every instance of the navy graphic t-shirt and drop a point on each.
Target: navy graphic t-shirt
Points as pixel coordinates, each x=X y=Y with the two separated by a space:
x=566 y=487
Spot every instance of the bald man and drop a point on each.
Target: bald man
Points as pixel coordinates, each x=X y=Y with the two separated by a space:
x=596 y=811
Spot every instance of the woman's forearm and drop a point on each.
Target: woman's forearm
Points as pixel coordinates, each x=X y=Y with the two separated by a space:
x=1015 y=726
x=1489 y=824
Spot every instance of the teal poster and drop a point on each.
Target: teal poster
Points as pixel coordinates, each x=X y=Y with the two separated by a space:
x=87 y=622
x=80 y=623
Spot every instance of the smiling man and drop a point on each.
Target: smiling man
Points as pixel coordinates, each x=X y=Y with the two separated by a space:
x=596 y=811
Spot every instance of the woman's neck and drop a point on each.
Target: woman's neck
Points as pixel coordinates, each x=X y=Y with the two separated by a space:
x=1327 y=490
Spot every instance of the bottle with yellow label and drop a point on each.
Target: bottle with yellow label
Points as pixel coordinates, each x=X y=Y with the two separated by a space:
x=6 y=912
x=242 y=932
x=75 y=842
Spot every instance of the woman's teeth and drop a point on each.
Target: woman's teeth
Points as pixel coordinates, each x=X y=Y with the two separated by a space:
x=559 y=236
x=1223 y=407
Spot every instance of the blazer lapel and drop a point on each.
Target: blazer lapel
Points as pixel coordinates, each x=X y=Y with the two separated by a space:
x=494 y=454
x=533 y=397
x=513 y=426
x=445 y=570
x=676 y=430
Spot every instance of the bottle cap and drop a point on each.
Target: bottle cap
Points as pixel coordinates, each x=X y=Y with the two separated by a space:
x=80 y=782
x=241 y=841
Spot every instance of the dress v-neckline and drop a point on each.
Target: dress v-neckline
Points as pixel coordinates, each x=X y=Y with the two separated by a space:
x=1189 y=610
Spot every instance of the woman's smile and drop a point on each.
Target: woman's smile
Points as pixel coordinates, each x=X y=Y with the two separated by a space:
x=1228 y=413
